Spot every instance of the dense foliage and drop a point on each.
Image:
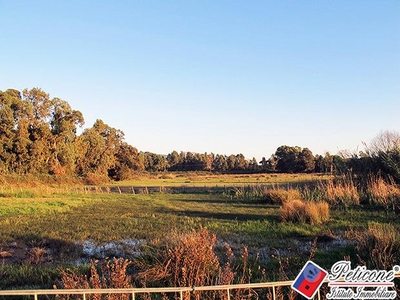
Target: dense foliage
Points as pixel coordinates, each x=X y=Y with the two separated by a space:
x=38 y=135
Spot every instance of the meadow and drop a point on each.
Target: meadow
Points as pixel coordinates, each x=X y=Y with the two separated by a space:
x=44 y=230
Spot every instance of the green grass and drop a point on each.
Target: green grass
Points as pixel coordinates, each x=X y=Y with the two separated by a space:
x=210 y=180
x=108 y=217
x=64 y=218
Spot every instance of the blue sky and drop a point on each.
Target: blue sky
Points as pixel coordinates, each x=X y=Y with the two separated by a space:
x=214 y=76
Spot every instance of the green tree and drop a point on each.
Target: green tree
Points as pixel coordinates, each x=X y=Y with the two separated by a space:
x=127 y=163
x=98 y=148
x=306 y=161
x=7 y=129
x=35 y=116
x=220 y=163
x=174 y=160
x=287 y=158
x=253 y=165
x=155 y=162
x=63 y=123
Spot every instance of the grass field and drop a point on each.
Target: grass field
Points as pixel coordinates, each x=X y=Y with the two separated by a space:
x=209 y=180
x=64 y=221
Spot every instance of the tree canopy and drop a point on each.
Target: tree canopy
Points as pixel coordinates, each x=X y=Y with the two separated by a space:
x=39 y=135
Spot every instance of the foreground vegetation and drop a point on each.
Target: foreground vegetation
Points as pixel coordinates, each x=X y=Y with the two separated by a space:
x=249 y=224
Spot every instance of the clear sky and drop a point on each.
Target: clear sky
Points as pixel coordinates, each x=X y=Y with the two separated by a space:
x=213 y=76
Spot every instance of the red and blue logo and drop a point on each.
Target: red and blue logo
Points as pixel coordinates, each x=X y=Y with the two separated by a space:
x=309 y=280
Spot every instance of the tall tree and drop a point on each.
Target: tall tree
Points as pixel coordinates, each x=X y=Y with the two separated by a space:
x=7 y=129
x=127 y=162
x=98 y=148
x=174 y=160
x=306 y=161
x=384 y=149
x=64 y=122
x=287 y=158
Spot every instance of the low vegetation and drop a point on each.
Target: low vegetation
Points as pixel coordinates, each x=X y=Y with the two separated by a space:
x=247 y=233
x=313 y=213
x=110 y=273
x=378 y=245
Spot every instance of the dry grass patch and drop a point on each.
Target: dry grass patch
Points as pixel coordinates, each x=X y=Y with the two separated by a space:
x=103 y=275
x=186 y=260
x=280 y=196
x=341 y=193
x=379 y=245
x=381 y=192
x=299 y=211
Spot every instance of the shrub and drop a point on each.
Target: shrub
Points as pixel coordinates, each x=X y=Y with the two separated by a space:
x=293 y=211
x=305 y=212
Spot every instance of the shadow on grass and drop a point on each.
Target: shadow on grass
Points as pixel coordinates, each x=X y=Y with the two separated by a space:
x=226 y=216
x=237 y=202
x=36 y=251
x=34 y=262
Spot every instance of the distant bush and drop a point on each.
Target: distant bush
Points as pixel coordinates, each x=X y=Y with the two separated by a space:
x=313 y=213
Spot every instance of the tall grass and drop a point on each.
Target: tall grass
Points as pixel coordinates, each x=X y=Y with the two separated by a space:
x=185 y=260
x=279 y=196
x=382 y=193
x=341 y=193
x=270 y=194
x=378 y=245
x=313 y=213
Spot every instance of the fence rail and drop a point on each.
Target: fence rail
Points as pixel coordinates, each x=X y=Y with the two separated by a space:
x=137 y=291
x=182 y=291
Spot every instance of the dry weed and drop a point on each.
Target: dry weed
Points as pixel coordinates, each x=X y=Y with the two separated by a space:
x=187 y=260
x=382 y=193
x=379 y=245
x=280 y=196
x=313 y=213
x=341 y=193
x=103 y=275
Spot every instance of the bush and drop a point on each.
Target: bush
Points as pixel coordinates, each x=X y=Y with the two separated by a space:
x=305 y=212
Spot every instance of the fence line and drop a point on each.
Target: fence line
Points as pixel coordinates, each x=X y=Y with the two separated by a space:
x=136 y=291
x=158 y=290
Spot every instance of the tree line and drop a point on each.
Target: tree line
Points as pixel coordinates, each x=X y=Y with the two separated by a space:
x=38 y=135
